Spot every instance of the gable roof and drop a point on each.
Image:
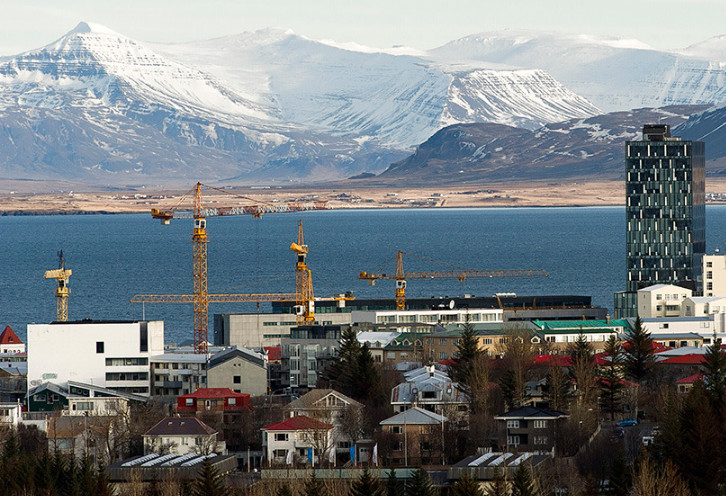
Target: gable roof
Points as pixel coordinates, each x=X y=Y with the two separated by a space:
x=414 y=416
x=309 y=399
x=180 y=426
x=235 y=352
x=298 y=423
x=8 y=336
x=691 y=379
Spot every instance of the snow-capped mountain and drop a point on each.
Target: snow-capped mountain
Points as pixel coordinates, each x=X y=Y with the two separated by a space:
x=98 y=107
x=613 y=74
x=399 y=99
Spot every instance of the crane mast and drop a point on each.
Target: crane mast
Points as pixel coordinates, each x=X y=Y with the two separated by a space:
x=305 y=305
x=400 y=276
x=62 y=292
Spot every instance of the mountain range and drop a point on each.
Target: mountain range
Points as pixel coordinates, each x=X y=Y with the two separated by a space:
x=274 y=107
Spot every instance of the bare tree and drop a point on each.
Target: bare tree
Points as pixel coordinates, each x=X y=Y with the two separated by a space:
x=649 y=481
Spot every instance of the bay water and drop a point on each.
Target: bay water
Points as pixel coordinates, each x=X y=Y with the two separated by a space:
x=114 y=257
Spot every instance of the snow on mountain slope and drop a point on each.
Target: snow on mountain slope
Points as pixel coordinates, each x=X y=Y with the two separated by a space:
x=613 y=74
x=525 y=98
x=355 y=91
x=94 y=61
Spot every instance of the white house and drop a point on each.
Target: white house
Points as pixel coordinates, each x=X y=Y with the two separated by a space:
x=291 y=439
x=107 y=354
x=705 y=326
x=661 y=300
x=10 y=414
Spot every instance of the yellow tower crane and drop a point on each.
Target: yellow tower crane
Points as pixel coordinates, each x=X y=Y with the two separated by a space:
x=462 y=274
x=201 y=298
x=305 y=305
x=61 y=274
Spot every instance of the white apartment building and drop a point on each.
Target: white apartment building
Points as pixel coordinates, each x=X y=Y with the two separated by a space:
x=661 y=300
x=437 y=316
x=114 y=355
x=714 y=275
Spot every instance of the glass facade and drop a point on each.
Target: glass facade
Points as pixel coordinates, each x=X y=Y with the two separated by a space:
x=665 y=211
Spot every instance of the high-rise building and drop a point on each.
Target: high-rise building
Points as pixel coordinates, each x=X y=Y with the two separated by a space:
x=665 y=214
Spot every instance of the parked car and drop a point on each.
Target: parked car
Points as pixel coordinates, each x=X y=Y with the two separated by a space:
x=627 y=423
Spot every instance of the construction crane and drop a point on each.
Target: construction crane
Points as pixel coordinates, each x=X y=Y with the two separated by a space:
x=201 y=298
x=305 y=305
x=61 y=274
x=462 y=274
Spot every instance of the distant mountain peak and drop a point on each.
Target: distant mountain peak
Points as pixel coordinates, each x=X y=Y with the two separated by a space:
x=89 y=27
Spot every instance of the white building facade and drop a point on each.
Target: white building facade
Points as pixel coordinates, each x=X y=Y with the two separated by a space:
x=661 y=300
x=438 y=316
x=107 y=354
x=714 y=275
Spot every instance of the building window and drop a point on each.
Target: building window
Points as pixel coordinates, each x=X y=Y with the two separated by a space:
x=709 y=275
x=237 y=379
x=442 y=355
x=709 y=264
x=280 y=436
x=512 y=424
x=709 y=286
x=396 y=429
x=513 y=440
x=232 y=401
x=99 y=346
x=189 y=401
x=540 y=440
x=540 y=424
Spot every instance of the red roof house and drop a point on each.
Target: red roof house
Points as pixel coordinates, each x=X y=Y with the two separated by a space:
x=10 y=342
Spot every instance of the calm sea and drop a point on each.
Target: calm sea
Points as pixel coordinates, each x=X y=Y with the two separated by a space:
x=114 y=257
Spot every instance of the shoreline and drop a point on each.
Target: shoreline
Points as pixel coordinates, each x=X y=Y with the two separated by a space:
x=337 y=197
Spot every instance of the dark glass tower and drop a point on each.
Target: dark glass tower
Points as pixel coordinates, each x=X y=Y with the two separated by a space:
x=665 y=213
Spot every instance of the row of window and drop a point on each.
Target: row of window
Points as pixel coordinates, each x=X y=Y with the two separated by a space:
x=117 y=362
x=127 y=376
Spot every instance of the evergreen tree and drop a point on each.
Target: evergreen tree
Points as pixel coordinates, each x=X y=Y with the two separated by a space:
x=610 y=381
x=466 y=486
x=419 y=484
x=394 y=486
x=103 y=486
x=314 y=486
x=620 y=479
x=522 y=483
x=714 y=374
x=557 y=388
x=365 y=485
x=509 y=388
x=498 y=486
x=582 y=369
x=471 y=369
x=208 y=482
x=367 y=381
x=639 y=356
x=353 y=371
x=285 y=490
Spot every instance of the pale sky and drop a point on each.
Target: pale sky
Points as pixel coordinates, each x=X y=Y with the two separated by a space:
x=423 y=24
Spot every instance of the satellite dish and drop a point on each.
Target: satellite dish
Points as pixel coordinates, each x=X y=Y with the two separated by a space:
x=452 y=304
